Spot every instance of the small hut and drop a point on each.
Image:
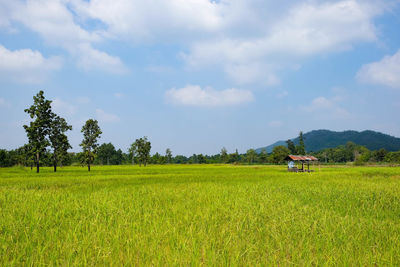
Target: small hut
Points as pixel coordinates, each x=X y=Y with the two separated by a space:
x=295 y=160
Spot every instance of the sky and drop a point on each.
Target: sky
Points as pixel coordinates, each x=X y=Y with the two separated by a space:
x=198 y=75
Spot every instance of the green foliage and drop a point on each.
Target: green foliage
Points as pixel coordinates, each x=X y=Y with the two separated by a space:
x=224 y=155
x=322 y=139
x=180 y=215
x=40 y=126
x=290 y=146
x=168 y=155
x=58 y=140
x=300 y=148
x=251 y=156
x=279 y=153
x=142 y=148
x=91 y=132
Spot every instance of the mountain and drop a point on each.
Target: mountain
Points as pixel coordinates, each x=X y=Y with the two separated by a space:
x=320 y=139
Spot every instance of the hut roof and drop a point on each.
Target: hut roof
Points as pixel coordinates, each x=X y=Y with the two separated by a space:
x=301 y=158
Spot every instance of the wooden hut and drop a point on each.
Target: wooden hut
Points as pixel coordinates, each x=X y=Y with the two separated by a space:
x=294 y=160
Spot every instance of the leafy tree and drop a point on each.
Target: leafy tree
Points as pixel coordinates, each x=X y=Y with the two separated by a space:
x=142 y=147
x=263 y=156
x=279 y=153
x=91 y=131
x=224 y=155
x=168 y=155
x=291 y=146
x=58 y=140
x=251 y=156
x=105 y=153
x=132 y=152
x=300 y=148
x=39 y=129
x=234 y=157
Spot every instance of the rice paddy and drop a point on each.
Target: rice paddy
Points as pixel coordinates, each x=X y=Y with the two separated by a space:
x=199 y=215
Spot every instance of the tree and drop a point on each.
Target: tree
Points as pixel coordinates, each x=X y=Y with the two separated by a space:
x=263 y=156
x=105 y=153
x=251 y=155
x=142 y=148
x=58 y=140
x=168 y=155
x=291 y=146
x=224 y=155
x=91 y=131
x=279 y=153
x=300 y=148
x=132 y=152
x=38 y=129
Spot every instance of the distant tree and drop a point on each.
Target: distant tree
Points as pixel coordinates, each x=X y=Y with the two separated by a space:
x=291 y=146
x=263 y=156
x=168 y=155
x=132 y=152
x=279 y=153
x=91 y=132
x=105 y=153
x=234 y=157
x=300 y=148
x=38 y=129
x=201 y=159
x=142 y=147
x=58 y=140
x=224 y=155
x=251 y=156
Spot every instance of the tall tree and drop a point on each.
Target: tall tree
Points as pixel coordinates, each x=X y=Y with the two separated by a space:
x=105 y=153
x=132 y=152
x=301 y=148
x=279 y=153
x=91 y=131
x=58 y=140
x=224 y=155
x=168 y=155
x=38 y=129
x=291 y=146
x=251 y=155
x=142 y=147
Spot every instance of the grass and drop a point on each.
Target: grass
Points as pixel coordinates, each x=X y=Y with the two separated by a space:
x=194 y=214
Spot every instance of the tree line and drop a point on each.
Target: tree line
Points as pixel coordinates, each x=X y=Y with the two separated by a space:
x=48 y=145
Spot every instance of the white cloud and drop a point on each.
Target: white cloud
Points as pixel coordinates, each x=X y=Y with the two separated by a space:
x=26 y=65
x=249 y=40
x=61 y=107
x=385 y=72
x=146 y=20
x=194 y=95
x=103 y=116
x=304 y=30
x=58 y=26
x=92 y=59
x=327 y=107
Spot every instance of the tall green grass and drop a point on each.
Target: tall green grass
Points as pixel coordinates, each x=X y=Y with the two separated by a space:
x=211 y=215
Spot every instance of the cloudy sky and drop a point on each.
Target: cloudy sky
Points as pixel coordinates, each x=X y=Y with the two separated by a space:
x=197 y=75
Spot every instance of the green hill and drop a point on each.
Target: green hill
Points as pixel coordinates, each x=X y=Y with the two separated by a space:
x=319 y=139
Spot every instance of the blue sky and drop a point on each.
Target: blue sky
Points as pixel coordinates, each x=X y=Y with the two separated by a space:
x=199 y=75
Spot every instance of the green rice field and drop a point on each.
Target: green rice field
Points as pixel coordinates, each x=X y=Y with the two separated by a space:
x=200 y=215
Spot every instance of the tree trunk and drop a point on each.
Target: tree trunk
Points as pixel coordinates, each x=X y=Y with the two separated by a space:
x=55 y=163
x=88 y=166
x=37 y=162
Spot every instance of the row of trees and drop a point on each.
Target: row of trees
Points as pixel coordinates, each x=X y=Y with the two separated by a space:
x=48 y=142
x=48 y=146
